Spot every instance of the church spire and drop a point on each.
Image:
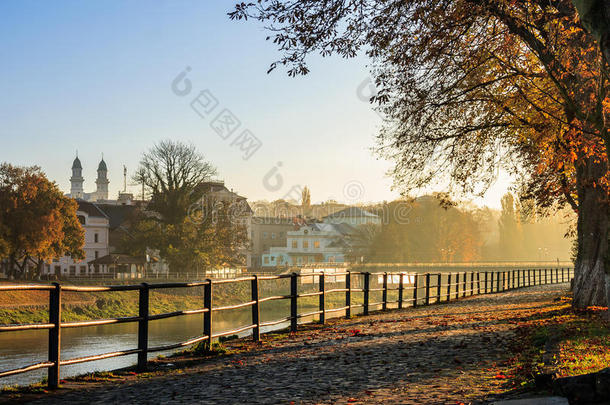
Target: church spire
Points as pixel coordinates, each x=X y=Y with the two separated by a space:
x=101 y=182
x=77 y=180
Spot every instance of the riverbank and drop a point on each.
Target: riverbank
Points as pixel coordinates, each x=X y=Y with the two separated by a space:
x=23 y=307
x=450 y=353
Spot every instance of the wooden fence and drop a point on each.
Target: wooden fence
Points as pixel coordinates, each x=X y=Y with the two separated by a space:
x=421 y=289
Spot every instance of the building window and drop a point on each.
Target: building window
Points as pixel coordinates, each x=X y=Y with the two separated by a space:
x=272 y=235
x=81 y=219
x=264 y=235
x=72 y=270
x=316 y=244
x=305 y=244
x=266 y=260
x=83 y=269
x=96 y=238
x=294 y=244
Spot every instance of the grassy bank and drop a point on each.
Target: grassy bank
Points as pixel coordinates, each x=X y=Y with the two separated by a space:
x=18 y=307
x=564 y=342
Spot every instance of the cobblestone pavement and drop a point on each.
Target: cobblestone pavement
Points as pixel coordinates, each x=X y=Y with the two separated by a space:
x=441 y=354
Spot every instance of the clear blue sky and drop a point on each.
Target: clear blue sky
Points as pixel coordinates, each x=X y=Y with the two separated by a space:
x=96 y=76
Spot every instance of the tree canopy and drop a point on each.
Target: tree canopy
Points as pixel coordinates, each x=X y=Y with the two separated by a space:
x=182 y=223
x=171 y=171
x=37 y=222
x=468 y=86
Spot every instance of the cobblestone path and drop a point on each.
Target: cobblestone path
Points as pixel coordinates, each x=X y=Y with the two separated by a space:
x=441 y=354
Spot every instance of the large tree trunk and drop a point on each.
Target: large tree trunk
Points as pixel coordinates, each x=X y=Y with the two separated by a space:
x=591 y=283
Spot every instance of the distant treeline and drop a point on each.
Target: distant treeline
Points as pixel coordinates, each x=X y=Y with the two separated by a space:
x=429 y=229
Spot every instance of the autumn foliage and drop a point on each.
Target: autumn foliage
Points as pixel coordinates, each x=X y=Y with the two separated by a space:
x=37 y=222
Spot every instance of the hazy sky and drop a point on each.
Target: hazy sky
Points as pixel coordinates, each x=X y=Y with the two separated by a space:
x=97 y=77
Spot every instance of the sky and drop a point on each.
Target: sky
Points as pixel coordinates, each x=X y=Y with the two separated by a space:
x=102 y=78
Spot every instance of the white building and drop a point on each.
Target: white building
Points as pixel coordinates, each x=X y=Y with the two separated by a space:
x=314 y=243
x=327 y=242
x=97 y=236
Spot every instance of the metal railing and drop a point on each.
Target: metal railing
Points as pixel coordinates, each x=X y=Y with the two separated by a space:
x=425 y=289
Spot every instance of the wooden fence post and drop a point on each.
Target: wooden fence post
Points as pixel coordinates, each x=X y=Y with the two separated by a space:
x=367 y=283
x=556 y=275
x=293 y=302
x=54 y=335
x=256 y=332
x=322 y=299
x=498 y=281
x=348 y=295
x=401 y=287
x=384 y=293
x=143 y=312
x=439 y=282
x=427 y=298
x=471 y=283
x=449 y=287
x=415 y=288
x=486 y=273
x=465 y=281
x=563 y=275
x=207 y=316
x=478 y=283
x=457 y=285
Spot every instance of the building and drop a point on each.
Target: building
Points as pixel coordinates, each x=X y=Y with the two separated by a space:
x=331 y=241
x=354 y=216
x=313 y=243
x=104 y=226
x=77 y=182
x=268 y=232
x=97 y=235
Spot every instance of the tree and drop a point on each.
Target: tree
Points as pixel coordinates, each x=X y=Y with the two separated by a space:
x=213 y=235
x=37 y=222
x=511 y=235
x=182 y=222
x=424 y=231
x=172 y=171
x=468 y=86
x=595 y=16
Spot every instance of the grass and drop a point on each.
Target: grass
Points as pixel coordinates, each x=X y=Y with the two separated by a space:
x=22 y=307
x=579 y=343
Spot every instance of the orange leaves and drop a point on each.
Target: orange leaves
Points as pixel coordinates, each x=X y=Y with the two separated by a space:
x=38 y=221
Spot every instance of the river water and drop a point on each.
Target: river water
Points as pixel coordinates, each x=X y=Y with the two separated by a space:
x=21 y=348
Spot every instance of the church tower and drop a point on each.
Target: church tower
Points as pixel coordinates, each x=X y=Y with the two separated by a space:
x=76 y=181
x=102 y=181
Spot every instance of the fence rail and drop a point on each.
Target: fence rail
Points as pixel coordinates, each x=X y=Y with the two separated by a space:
x=425 y=289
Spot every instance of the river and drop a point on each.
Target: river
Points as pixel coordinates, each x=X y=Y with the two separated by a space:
x=21 y=348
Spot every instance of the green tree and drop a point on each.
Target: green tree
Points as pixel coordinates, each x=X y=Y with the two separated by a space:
x=183 y=223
